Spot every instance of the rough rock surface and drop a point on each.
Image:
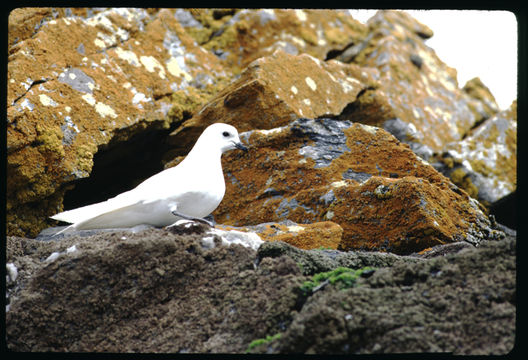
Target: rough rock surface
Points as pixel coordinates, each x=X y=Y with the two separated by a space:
x=239 y=37
x=324 y=234
x=404 y=309
x=157 y=291
x=275 y=90
x=485 y=162
x=382 y=194
x=78 y=84
x=91 y=89
x=418 y=99
x=354 y=240
x=153 y=291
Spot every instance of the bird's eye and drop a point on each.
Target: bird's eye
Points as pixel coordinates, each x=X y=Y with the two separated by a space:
x=225 y=134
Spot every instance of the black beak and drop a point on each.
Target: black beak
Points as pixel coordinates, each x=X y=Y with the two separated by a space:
x=241 y=147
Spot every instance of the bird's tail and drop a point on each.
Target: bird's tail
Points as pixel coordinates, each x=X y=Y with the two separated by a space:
x=80 y=214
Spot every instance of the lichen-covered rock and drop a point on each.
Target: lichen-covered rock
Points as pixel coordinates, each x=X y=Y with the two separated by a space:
x=274 y=90
x=324 y=234
x=240 y=36
x=417 y=90
x=485 y=162
x=485 y=103
x=381 y=194
x=80 y=83
x=85 y=82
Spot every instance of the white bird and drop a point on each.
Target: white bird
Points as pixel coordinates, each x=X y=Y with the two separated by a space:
x=191 y=190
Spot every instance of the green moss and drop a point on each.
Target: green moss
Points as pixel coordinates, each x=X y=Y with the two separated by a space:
x=227 y=38
x=342 y=277
x=259 y=342
x=449 y=162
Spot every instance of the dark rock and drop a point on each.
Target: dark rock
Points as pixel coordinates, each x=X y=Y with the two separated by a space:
x=505 y=210
x=461 y=303
x=156 y=291
x=316 y=261
x=148 y=292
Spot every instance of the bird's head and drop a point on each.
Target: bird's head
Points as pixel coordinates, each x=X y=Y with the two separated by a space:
x=224 y=136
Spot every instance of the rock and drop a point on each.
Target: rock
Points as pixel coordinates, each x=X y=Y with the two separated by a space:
x=321 y=260
x=485 y=103
x=324 y=234
x=79 y=84
x=485 y=162
x=417 y=90
x=413 y=308
x=102 y=98
x=360 y=177
x=240 y=37
x=153 y=291
x=23 y=22
x=158 y=291
x=274 y=90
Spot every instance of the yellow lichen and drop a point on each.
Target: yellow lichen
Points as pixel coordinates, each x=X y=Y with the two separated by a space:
x=227 y=38
x=186 y=102
x=210 y=24
x=493 y=134
x=449 y=162
x=49 y=140
x=84 y=156
x=462 y=180
x=481 y=167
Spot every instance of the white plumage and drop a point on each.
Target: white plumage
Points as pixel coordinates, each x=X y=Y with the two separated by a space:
x=193 y=188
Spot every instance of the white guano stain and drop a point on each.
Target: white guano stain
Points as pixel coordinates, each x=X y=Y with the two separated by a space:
x=295 y=228
x=89 y=99
x=174 y=68
x=102 y=109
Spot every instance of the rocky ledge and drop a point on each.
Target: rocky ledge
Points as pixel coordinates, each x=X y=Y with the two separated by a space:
x=182 y=290
x=367 y=217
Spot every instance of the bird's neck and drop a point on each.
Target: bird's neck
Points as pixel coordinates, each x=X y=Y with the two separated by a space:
x=203 y=153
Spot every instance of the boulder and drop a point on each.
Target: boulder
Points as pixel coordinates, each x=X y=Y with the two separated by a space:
x=84 y=83
x=275 y=90
x=485 y=163
x=318 y=235
x=419 y=99
x=461 y=303
x=382 y=194
x=130 y=89
x=152 y=291
x=160 y=291
x=239 y=37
